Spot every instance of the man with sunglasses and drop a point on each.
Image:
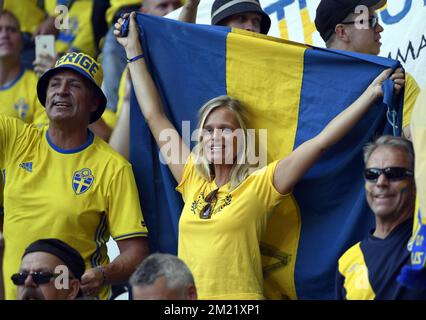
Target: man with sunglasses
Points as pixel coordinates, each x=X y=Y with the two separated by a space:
x=353 y=25
x=368 y=270
x=50 y=270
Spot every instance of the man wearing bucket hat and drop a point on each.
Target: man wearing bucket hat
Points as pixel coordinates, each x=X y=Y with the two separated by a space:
x=241 y=14
x=353 y=25
x=64 y=182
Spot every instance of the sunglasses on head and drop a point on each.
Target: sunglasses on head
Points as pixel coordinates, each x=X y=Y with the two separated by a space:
x=206 y=212
x=38 y=277
x=372 y=22
x=391 y=173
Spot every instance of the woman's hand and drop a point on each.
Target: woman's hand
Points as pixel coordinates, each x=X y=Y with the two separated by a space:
x=398 y=76
x=130 y=43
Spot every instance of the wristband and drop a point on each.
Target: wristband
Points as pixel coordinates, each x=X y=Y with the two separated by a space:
x=135 y=58
x=101 y=269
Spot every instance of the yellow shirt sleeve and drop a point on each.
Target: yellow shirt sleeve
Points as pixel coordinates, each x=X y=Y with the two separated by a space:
x=418 y=131
x=9 y=130
x=411 y=93
x=125 y=217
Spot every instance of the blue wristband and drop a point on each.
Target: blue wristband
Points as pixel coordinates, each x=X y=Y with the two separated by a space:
x=135 y=58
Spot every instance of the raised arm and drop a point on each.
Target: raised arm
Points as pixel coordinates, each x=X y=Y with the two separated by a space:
x=291 y=169
x=189 y=11
x=150 y=103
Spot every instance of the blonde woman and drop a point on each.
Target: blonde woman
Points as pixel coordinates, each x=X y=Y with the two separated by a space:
x=226 y=207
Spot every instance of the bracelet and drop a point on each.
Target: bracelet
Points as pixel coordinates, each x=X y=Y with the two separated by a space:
x=135 y=58
x=101 y=269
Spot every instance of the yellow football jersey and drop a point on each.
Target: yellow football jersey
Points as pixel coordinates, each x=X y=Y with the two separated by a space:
x=19 y=100
x=80 y=196
x=223 y=251
x=79 y=36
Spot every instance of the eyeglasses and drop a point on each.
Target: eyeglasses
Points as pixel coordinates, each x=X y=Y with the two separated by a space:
x=391 y=173
x=372 y=22
x=38 y=277
x=206 y=212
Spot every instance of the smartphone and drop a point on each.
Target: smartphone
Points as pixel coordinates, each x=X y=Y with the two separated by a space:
x=45 y=44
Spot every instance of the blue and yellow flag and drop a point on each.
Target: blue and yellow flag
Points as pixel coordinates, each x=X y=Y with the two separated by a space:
x=293 y=91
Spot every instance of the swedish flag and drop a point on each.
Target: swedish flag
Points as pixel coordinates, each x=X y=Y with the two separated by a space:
x=291 y=89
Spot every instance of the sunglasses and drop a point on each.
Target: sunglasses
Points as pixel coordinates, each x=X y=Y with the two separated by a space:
x=372 y=22
x=206 y=212
x=38 y=277
x=391 y=173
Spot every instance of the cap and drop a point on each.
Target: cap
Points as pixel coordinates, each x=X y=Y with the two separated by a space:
x=222 y=9
x=84 y=65
x=332 y=12
x=70 y=257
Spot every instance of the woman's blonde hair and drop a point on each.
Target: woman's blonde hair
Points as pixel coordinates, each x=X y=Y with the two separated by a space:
x=241 y=168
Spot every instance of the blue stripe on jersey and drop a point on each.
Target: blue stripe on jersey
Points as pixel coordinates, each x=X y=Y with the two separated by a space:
x=130 y=234
x=95 y=256
x=102 y=241
x=81 y=148
x=10 y=85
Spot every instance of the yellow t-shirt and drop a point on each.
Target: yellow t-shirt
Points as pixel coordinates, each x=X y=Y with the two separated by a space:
x=418 y=131
x=223 y=252
x=79 y=36
x=80 y=196
x=412 y=91
x=19 y=100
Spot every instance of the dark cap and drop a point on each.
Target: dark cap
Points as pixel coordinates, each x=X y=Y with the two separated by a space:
x=332 y=12
x=222 y=9
x=69 y=256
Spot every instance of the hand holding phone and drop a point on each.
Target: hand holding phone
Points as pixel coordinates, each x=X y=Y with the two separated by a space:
x=45 y=45
x=45 y=53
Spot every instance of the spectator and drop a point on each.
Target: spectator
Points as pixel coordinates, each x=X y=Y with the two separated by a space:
x=247 y=15
x=163 y=276
x=50 y=270
x=114 y=59
x=120 y=120
x=226 y=207
x=63 y=182
x=35 y=17
x=368 y=270
x=343 y=25
x=17 y=86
